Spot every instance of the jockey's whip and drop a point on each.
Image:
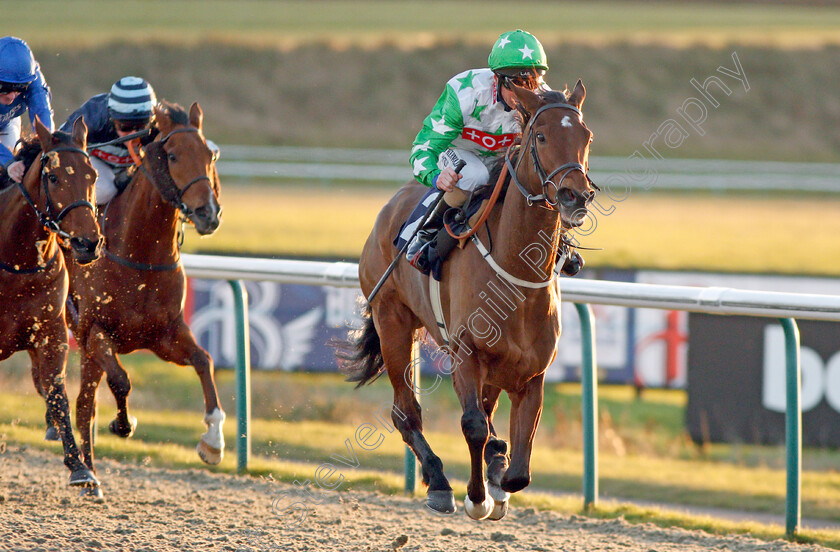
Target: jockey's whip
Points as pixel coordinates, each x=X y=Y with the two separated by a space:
x=458 y=166
x=121 y=139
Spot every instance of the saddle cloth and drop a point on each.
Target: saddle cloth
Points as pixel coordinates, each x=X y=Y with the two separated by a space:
x=442 y=244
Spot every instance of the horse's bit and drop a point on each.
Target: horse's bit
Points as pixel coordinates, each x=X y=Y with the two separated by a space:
x=566 y=169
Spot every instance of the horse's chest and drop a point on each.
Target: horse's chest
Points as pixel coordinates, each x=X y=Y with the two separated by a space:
x=26 y=318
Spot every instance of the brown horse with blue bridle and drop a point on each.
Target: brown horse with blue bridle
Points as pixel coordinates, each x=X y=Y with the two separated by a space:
x=133 y=298
x=53 y=202
x=496 y=310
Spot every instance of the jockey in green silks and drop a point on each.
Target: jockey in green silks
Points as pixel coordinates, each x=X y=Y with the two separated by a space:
x=474 y=121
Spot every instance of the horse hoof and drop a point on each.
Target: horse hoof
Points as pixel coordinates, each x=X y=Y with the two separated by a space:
x=479 y=511
x=52 y=434
x=441 y=502
x=500 y=510
x=93 y=492
x=208 y=454
x=83 y=477
x=121 y=431
x=515 y=484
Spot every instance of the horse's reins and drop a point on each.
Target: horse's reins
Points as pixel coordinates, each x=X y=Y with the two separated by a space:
x=490 y=203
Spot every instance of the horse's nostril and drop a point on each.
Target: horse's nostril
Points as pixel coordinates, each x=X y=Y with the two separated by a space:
x=566 y=196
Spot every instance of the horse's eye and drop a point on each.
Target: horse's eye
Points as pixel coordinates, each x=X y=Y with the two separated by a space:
x=52 y=178
x=541 y=137
x=172 y=157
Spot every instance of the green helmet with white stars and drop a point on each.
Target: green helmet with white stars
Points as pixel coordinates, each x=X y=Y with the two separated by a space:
x=517 y=49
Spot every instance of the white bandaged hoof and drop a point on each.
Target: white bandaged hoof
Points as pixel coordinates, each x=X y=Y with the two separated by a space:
x=479 y=511
x=500 y=500
x=211 y=447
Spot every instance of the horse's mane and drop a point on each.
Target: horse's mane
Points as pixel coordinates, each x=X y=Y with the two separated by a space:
x=177 y=114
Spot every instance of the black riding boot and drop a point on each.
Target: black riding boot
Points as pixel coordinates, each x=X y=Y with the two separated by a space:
x=417 y=252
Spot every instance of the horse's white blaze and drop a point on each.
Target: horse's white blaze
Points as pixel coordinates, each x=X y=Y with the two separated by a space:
x=214 y=422
x=566 y=121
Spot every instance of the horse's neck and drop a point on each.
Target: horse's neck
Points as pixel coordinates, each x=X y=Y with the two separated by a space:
x=526 y=238
x=24 y=241
x=140 y=224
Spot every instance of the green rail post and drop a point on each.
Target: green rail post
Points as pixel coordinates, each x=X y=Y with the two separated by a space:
x=243 y=377
x=589 y=405
x=410 y=459
x=793 y=427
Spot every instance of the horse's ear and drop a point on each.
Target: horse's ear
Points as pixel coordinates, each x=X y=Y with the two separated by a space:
x=578 y=95
x=196 y=116
x=530 y=101
x=162 y=119
x=80 y=131
x=44 y=134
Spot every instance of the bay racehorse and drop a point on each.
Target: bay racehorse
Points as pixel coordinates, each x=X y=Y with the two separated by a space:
x=133 y=298
x=53 y=201
x=497 y=297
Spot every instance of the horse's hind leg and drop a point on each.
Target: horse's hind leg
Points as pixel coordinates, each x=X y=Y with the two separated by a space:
x=396 y=326
x=495 y=455
x=478 y=503
x=179 y=346
x=526 y=408
x=50 y=359
x=52 y=433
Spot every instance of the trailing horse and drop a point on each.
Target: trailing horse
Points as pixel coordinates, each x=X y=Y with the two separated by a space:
x=54 y=201
x=496 y=310
x=134 y=297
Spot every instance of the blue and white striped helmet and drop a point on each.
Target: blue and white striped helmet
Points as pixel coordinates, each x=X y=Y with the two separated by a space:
x=131 y=98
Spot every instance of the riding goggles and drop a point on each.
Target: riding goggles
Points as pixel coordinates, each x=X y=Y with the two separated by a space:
x=9 y=87
x=132 y=125
x=523 y=78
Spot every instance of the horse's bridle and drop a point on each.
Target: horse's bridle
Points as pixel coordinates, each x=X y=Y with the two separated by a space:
x=49 y=218
x=175 y=194
x=547 y=178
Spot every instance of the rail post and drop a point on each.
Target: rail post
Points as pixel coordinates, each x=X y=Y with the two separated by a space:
x=793 y=426
x=410 y=459
x=243 y=376
x=589 y=405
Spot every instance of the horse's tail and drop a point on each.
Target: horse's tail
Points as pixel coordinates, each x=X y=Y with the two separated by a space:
x=360 y=355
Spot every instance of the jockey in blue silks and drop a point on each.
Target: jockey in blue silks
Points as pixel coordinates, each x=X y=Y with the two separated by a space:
x=22 y=88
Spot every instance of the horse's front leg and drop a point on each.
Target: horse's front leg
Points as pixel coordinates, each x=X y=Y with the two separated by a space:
x=50 y=360
x=467 y=380
x=526 y=408
x=495 y=455
x=179 y=346
x=52 y=433
x=102 y=350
